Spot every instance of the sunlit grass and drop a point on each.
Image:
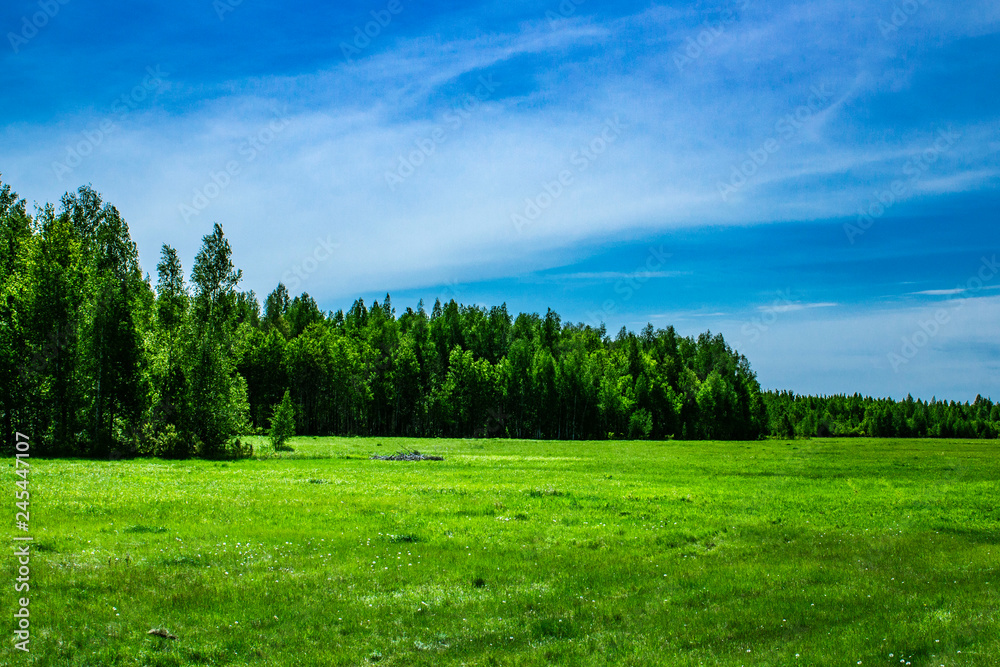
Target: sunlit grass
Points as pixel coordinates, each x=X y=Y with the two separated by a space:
x=521 y=552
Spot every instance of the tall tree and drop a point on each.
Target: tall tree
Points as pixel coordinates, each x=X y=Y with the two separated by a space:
x=276 y=310
x=217 y=393
x=169 y=407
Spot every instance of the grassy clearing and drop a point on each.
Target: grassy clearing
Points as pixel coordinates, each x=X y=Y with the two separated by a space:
x=832 y=552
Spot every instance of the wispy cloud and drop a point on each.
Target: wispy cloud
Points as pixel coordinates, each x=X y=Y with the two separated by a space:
x=614 y=275
x=940 y=292
x=793 y=307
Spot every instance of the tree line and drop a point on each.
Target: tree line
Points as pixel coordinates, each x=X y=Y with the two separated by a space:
x=98 y=360
x=792 y=415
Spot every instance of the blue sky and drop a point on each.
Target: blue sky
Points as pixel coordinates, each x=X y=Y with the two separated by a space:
x=818 y=181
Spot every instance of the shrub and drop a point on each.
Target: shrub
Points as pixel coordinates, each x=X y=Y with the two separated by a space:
x=170 y=444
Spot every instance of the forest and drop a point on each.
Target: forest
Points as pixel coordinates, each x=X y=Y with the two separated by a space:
x=98 y=360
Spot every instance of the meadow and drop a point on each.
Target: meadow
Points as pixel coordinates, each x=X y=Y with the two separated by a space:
x=777 y=552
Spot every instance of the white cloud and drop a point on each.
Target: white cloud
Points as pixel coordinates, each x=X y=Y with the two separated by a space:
x=793 y=307
x=615 y=275
x=940 y=292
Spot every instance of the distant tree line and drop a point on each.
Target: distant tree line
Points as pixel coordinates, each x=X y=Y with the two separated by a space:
x=792 y=415
x=98 y=360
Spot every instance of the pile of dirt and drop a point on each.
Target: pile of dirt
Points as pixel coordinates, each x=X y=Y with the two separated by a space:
x=407 y=456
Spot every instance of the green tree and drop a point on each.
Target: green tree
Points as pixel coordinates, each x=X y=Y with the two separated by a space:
x=276 y=310
x=113 y=351
x=282 y=423
x=168 y=408
x=216 y=395
x=302 y=312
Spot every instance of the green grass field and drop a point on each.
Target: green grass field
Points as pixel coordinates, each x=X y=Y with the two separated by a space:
x=812 y=552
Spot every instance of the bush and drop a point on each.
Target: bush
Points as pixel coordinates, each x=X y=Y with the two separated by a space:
x=170 y=444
